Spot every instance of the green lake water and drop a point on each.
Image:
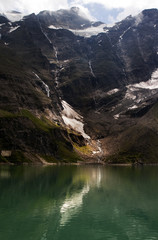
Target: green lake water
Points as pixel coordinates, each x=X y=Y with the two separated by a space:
x=78 y=203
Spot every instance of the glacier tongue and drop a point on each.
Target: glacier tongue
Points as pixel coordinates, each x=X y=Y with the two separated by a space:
x=151 y=84
x=86 y=32
x=72 y=119
x=138 y=94
x=91 y=31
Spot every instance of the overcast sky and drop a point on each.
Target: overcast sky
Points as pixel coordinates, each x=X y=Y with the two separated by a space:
x=108 y=11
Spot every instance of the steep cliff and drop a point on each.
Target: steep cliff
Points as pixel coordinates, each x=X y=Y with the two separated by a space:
x=99 y=83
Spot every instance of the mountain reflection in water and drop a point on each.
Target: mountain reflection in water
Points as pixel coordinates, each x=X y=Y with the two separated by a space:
x=78 y=202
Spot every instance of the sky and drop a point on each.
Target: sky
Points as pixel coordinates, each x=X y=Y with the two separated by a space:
x=107 y=11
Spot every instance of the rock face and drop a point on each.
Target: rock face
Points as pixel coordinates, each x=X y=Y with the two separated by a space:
x=107 y=76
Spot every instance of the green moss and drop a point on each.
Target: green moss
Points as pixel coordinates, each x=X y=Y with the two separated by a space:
x=36 y=121
x=57 y=137
x=65 y=154
x=43 y=123
x=49 y=123
x=125 y=157
x=4 y=113
x=50 y=159
x=84 y=149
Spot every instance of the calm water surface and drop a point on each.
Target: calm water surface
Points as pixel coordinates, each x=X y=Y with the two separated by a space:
x=78 y=203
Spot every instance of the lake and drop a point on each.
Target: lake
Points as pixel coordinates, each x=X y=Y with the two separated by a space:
x=78 y=203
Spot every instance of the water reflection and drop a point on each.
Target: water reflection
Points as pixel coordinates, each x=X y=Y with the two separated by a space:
x=71 y=205
x=4 y=173
x=78 y=202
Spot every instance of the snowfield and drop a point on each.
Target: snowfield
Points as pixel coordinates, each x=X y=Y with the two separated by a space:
x=87 y=32
x=12 y=29
x=72 y=119
x=91 y=31
x=151 y=84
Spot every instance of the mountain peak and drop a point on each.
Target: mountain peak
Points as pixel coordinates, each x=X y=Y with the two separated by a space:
x=75 y=9
x=150 y=11
x=73 y=18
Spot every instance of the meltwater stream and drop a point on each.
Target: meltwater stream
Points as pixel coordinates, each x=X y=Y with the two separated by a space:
x=78 y=203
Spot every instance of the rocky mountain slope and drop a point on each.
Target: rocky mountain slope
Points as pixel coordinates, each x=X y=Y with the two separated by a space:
x=71 y=86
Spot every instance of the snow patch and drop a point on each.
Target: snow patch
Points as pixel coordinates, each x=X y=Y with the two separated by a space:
x=151 y=84
x=65 y=61
x=130 y=94
x=72 y=119
x=69 y=112
x=91 y=31
x=121 y=37
x=100 y=41
x=115 y=90
x=116 y=116
x=12 y=29
x=53 y=27
x=76 y=125
x=133 y=107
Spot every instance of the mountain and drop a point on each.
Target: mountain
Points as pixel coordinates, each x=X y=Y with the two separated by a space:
x=72 y=88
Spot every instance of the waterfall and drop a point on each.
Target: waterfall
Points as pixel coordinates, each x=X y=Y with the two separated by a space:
x=91 y=69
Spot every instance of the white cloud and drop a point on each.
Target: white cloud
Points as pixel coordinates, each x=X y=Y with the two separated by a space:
x=128 y=11
x=36 y=5
x=129 y=7
x=111 y=20
x=30 y=6
x=84 y=12
x=7 y=5
x=141 y=4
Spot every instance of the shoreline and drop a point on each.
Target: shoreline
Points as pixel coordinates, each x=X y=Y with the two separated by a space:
x=80 y=164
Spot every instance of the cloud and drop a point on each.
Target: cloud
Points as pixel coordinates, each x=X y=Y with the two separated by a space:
x=7 y=5
x=29 y=6
x=35 y=6
x=111 y=20
x=128 y=7
x=84 y=12
x=141 y=4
